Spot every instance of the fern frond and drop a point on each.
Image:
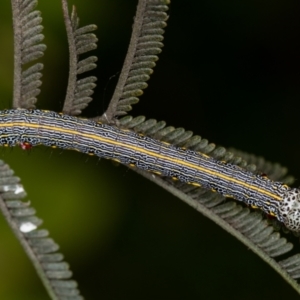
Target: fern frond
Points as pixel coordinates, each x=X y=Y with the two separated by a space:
x=27 y=48
x=41 y=249
x=250 y=227
x=144 y=47
x=80 y=40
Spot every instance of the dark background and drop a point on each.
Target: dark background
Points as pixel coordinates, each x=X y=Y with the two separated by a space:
x=229 y=72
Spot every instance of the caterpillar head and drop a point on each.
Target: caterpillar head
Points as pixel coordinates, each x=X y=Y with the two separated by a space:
x=290 y=209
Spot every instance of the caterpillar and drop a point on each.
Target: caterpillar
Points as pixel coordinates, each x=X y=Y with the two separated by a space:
x=29 y=128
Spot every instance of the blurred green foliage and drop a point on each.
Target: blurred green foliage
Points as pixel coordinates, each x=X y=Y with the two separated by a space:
x=229 y=71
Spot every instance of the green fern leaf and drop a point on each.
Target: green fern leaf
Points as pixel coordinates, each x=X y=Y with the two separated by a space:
x=81 y=40
x=41 y=249
x=145 y=45
x=28 y=48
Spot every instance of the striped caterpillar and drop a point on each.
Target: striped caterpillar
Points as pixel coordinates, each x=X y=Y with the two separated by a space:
x=36 y=127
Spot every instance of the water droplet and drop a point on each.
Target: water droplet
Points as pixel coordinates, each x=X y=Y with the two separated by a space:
x=19 y=189
x=27 y=227
x=16 y=188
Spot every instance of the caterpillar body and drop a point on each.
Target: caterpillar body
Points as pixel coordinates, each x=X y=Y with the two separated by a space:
x=36 y=127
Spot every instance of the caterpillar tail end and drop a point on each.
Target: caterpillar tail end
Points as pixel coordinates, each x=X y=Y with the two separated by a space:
x=290 y=209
